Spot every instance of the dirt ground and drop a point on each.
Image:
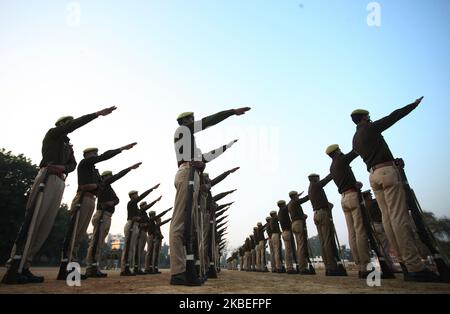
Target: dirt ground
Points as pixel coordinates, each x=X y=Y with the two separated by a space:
x=229 y=282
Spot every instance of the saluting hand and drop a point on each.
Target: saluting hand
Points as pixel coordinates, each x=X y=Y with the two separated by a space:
x=155 y=187
x=419 y=100
x=106 y=111
x=129 y=146
x=135 y=166
x=231 y=143
x=234 y=169
x=159 y=198
x=241 y=111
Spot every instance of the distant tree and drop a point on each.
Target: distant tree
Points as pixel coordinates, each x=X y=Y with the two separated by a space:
x=441 y=230
x=17 y=174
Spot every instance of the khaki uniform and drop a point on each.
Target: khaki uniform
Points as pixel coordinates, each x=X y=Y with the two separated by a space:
x=390 y=195
x=140 y=253
x=87 y=208
x=298 y=228
x=262 y=253
x=286 y=235
x=276 y=250
x=102 y=228
x=149 y=253
x=322 y=220
x=131 y=233
x=357 y=234
x=272 y=255
x=51 y=201
x=177 y=250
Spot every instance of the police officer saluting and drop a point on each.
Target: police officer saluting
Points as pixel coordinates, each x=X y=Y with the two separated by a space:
x=298 y=218
x=187 y=181
x=346 y=183
x=106 y=204
x=323 y=222
x=57 y=162
x=386 y=183
x=83 y=204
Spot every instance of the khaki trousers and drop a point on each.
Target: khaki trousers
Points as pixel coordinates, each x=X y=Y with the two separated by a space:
x=51 y=201
x=390 y=194
x=87 y=208
x=258 y=257
x=262 y=253
x=286 y=235
x=272 y=255
x=253 y=256
x=177 y=249
x=322 y=220
x=149 y=254
x=298 y=228
x=241 y=262
x=140 y=249
x=103 y=228
x=276 y=250
x=156 y=251
x=246 y=260
x=131 y=233
x=357 y=234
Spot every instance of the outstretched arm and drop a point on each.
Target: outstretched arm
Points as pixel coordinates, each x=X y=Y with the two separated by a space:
x=220 y=207
x=220 y=178
x=164 y=222
x=144 y=195
x=109 y=154
x=221 y=195
x=122 y=173
x=81 y=121
x=325 y=180
x=216 y=152
x=217 y=118
x=386 y=122
x=152 y=203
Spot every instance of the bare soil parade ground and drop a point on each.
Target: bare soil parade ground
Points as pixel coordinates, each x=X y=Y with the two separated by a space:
x=229 y=282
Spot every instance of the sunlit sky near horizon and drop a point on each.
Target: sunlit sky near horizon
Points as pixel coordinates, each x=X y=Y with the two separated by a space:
x=302 y=66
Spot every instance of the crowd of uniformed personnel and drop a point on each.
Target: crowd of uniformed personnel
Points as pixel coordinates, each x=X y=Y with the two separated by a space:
x=198 y=226
x=388 y=217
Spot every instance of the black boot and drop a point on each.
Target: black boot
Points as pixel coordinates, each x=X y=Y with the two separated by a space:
x=425 y=275
x=156 y=271
x=14 y=279
x=127 y=272
x=181 y=280
x=32 y=278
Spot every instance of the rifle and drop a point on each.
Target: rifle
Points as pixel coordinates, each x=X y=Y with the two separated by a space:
x=96 y=237
x=69 y=241
x=191 y=273
x=424 y=232
x=386 y=271
x=24 y=236
x=294 y=250
x=212 y=248
x=337 y=248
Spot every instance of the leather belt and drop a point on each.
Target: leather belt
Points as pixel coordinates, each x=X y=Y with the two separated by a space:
x=349 y=191
x=382 y=165
x=86 y=194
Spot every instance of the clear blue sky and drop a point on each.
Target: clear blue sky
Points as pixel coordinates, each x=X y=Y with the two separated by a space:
x=302 y=66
